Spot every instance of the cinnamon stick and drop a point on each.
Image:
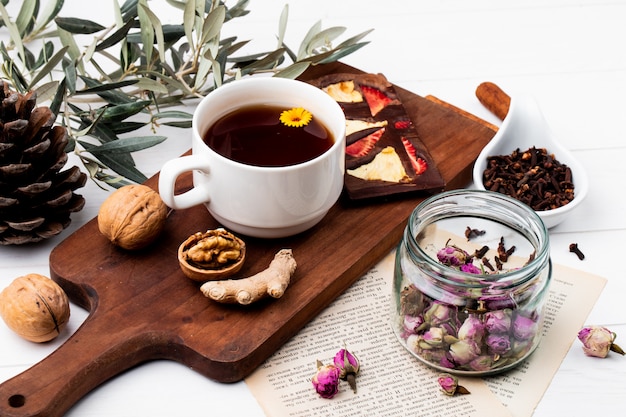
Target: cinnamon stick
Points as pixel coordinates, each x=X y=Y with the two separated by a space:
x=494 y=99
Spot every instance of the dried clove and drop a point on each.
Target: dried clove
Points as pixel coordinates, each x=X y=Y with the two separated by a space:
x=488 y=264
x=504 y=253
x=472 y=233
x=498 y=263
x=533 y=177
x=573 y=247
x=480 y=253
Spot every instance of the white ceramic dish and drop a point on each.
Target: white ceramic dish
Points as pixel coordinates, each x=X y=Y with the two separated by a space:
x=524 y=127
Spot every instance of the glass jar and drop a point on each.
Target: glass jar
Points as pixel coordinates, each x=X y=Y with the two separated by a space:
x=470 y=282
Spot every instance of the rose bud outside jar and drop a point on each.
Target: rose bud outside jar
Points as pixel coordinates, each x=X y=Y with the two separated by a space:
x=480 y=315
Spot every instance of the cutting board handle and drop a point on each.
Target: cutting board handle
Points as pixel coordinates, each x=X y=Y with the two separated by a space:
x=92 y=355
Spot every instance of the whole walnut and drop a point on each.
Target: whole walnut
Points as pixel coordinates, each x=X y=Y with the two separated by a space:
x=35 y=307
x=132 y=216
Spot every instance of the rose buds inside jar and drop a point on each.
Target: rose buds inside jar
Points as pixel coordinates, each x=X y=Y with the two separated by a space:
x=476 y=306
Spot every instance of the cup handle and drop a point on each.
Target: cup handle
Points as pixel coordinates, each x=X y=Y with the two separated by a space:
x=167 y=182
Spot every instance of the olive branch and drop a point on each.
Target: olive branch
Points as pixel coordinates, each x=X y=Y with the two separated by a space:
x=155 y=66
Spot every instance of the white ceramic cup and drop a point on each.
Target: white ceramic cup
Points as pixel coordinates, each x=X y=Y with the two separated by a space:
x=266 y=202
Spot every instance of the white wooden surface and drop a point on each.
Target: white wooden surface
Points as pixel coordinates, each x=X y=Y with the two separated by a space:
x=569 y=54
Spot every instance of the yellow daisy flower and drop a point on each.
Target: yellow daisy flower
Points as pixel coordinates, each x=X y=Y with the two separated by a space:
x=296 y=117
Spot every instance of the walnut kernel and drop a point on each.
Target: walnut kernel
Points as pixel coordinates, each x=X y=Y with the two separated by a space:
x=35 y=307
x=132 y=216
x=212 y=255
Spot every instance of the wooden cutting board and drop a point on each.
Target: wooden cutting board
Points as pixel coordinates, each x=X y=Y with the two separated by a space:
x=141 y=307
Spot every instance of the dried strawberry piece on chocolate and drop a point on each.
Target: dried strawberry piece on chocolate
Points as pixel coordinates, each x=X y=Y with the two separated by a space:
x=402 y=124
x=363 y=146
x=376 y=99
x=419 y=165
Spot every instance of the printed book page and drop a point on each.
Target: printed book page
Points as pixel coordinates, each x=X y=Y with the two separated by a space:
x=391 y=381
x=571 y=298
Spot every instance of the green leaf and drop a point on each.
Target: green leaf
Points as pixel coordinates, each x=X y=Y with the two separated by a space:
x=204 y=67
x=126 y=145
x=11 y=71
x=123 y=111
x=147 y=31
x=107 y=86
x=354 y=39
x=70 y=76
x=14 y=33
x=50 y=65
x=125 y=127
x=171 y=81
x=324 y=38
x=44 y=55
x=157 y=30
x=25 y=17
x=269 y=61
x=189 y=18
x=30 y=60
x=129 y=9
x=294 y=70
x=55 y=104
x=183 y=125
x=110 y=95
x=282 y=25
x=151 y=85
x=173 y=114
x=51 y=10
x=336 y=55
x=200 y=10
x=79 y=26
x=313 y=30
x=91 y=49
x=114 y=162
x=72 y=48
x=116 y=37
x=46 y=91
x=237 y=10
x=173 y=33
x=213 y=24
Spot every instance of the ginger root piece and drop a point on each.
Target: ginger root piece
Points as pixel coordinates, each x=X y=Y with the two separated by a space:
x=272 y=281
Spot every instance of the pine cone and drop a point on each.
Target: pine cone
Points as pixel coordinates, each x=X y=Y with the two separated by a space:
x=36 y=197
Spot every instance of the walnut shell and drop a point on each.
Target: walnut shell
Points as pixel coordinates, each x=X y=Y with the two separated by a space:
x=35 y=307
x=212 y=255
x=132 y=216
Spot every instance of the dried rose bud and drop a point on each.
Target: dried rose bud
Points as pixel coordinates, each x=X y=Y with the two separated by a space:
x=524 y=328
x=482 y=363
x=413 y=324
x=433 y=338
x=326 y=380
x=471 y=269
x=452 y=256
x=438 y=314
x=598 y=341
x=450 y=385
x=348 y=365
x=464 y=351
x=498 y=344
x=498 y=321
x=472 y=329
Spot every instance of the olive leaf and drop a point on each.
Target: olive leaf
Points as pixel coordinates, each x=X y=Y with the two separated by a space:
x=135 y=67
x=75 y=25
